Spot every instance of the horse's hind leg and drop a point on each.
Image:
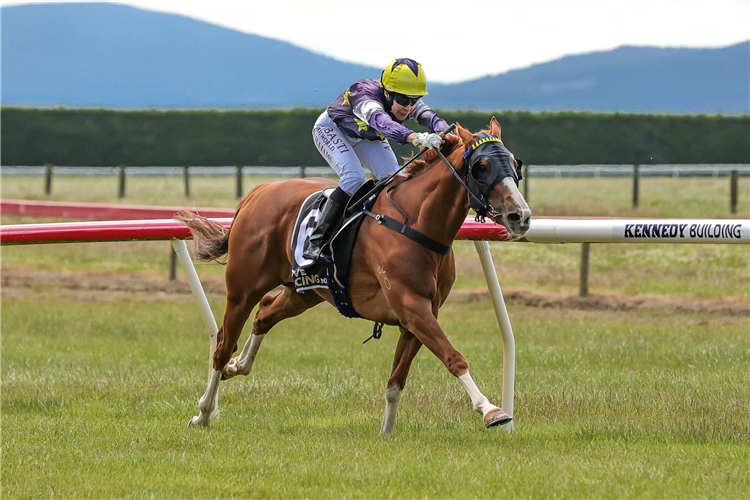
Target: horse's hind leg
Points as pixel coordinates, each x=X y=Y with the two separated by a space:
x=235 y=316
x=407 y=348
x=271 y=311
x=240 y=302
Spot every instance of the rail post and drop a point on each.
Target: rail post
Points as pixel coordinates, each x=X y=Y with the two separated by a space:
x=240 y=191
x=121 y=182
x=172 y=263
x=636 y=178
x=506 y=330
x=47 y=179
x=302 y=172
x=733 y=176
x=583 y=288
x=186 y=178
x=526 y=182
x=180 y=248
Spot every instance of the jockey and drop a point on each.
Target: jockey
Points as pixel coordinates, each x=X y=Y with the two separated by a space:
x=353 y=132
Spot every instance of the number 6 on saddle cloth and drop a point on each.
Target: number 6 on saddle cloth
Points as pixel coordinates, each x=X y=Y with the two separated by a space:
x=308 y=274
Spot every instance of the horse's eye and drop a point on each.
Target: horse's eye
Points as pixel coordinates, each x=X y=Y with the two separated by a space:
x=481 y=171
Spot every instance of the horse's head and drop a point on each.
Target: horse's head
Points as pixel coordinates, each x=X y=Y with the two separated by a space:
x=492 y=175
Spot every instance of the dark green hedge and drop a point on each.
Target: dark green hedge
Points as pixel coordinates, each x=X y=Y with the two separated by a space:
x=109 y=138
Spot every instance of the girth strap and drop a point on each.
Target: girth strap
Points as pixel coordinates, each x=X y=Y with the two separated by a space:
x=410 y=233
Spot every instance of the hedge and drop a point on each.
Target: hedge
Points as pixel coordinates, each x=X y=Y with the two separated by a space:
x=99 y=137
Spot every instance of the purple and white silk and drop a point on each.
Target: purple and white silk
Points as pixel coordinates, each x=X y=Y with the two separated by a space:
x=352 y=133
x=360 y=112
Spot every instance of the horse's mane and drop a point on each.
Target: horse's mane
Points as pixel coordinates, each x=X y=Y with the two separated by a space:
x=429 y=157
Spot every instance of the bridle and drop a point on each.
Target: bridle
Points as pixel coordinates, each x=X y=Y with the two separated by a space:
x=487 y=147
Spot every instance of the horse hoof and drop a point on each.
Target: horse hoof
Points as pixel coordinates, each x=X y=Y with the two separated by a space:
x=197 y=422
x=496 y=417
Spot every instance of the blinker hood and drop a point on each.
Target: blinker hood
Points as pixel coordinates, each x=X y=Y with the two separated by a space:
x=502 y=162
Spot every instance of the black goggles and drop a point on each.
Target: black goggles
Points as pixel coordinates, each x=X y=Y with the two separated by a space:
x=404 y=100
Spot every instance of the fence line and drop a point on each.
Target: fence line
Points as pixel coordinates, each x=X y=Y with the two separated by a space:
x=734 y=171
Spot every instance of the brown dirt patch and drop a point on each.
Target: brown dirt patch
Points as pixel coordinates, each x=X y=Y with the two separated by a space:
x=88 y=286
x=729 y=308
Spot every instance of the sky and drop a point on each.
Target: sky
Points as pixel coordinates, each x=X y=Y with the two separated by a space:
x=461 y=40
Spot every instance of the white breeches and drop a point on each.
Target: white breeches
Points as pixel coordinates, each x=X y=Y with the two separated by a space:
x=348 y=156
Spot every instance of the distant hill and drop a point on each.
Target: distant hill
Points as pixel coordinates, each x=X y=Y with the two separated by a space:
x=99 y=54
x=642 y=79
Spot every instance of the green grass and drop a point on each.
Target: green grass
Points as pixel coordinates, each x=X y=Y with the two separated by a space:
x=214 y=191
x=96 y=397
x=693 y=197
x=704 y=271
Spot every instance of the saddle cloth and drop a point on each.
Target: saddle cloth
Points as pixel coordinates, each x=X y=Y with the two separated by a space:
x=308 y=274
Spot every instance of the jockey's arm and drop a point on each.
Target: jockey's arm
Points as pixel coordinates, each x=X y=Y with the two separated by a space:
x=373 y=113
x=427 y=117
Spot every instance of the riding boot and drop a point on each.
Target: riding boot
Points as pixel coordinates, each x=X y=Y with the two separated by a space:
x=329 y=218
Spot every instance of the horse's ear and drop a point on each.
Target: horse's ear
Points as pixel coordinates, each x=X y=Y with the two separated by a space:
x=466 y=136
x=495 y=128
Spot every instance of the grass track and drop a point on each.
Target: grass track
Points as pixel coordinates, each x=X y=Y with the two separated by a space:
x=96 y=397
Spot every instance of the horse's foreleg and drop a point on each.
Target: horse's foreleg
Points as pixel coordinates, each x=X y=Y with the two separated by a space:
x=419 y=319
x=407 y=348
x=491 y=414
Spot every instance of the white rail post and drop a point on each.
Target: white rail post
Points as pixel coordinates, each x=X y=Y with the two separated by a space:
x=503 y=320
x=180 y=248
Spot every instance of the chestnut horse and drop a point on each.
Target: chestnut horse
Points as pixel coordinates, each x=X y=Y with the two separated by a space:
x=393 y=280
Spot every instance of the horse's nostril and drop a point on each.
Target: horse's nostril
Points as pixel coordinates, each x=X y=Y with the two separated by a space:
x=514 y=218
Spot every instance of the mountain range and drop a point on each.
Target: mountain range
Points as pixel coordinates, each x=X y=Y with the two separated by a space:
x=111 y=55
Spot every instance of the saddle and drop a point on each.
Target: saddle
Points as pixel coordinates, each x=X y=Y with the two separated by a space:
x=308 y=274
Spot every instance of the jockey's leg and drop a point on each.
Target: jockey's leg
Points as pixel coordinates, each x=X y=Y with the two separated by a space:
x=338 y=151
x=378 y=157
x=330 y=214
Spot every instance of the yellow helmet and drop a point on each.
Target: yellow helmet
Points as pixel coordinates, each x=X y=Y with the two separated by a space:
x=404 y=76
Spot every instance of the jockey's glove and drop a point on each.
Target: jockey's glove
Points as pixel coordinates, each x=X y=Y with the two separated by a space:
x=427 y=140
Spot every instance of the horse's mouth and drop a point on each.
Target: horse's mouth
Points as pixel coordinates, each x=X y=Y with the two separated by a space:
x=514 y=224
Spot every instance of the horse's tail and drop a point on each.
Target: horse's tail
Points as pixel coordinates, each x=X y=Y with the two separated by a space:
x=210 y=239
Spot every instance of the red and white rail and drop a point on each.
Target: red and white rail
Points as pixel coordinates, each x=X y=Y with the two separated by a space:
x=543 y=230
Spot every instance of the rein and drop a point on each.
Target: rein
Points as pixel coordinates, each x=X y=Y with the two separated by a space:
x=421 y=238
x=485 y=207
x=387 y=180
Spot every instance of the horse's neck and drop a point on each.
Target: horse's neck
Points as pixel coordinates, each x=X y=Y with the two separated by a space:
x=436 y=203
